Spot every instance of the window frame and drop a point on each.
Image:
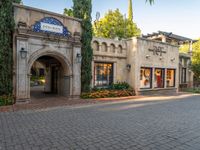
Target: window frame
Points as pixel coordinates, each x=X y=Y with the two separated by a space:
x=184 y=80
x=174 y=77
x=95 y=75
x=162 y=69
x=151 y=73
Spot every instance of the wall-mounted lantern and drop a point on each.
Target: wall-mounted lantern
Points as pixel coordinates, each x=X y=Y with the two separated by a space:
x=23 y=53
x=128 y=66
x=78 y=58
x=147 y=56
x=173 y=59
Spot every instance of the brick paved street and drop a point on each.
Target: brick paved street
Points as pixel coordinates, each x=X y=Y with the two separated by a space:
x=135 y=125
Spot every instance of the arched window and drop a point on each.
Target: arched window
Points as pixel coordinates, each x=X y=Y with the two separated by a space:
x=104 y=47
x=95 y=46
x=120 y=49
x=112 y=48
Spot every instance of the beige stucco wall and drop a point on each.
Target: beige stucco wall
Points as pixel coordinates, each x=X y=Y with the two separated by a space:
x=140 y=56
x=117 y=57
x=30 y=16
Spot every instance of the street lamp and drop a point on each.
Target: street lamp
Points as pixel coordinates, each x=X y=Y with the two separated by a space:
x=97 y=22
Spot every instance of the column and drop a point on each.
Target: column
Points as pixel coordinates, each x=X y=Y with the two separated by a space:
x=22 y=72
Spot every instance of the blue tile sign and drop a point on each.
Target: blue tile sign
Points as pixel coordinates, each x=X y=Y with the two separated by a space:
x=52 y=26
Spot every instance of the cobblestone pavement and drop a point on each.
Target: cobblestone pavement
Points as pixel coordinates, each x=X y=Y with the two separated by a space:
x=134 y=125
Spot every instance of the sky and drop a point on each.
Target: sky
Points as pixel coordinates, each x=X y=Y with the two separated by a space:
x=178 y=16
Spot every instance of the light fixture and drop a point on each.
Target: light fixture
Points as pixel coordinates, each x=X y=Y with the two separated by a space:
x=172 y=59
x=23 y=53
x=97 y=21
x=128 y=66
x=147 y=56
x=78 y=58
x=161 y=58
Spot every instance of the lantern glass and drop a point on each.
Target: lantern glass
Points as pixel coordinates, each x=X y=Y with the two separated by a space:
x=23 y=53
x=78 y=58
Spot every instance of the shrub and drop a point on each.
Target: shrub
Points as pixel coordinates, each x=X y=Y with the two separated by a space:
x=6 y=100
x=120 y=86
x=192 y=90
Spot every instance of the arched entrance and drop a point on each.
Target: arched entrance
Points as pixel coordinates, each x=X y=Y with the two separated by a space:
x=49 y=74
x=47 y=78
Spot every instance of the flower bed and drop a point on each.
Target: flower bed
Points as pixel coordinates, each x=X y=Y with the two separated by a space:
x=115 y=90
x=6 y=100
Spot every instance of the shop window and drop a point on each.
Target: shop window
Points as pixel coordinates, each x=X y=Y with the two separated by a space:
x=171 y=74
x=159 y=76
x=183 y=75
x=145 y=78
x=103 y=74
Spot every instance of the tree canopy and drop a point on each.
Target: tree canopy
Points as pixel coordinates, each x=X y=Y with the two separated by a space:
x=195 y=57
x=17 y=1
x=115 y=25
x=6 y=53
x=130 y=10
x=68 y=12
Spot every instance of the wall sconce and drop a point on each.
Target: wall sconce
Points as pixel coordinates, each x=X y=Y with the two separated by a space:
x=23 y=53
x=147 y=56
x=161 y=58
x=78 y=58
x=173 y=59
x=128 y=66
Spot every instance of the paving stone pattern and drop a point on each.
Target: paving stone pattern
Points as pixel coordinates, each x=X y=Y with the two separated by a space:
x=132 y=125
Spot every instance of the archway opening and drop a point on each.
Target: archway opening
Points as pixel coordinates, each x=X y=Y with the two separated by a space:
x=48 y=78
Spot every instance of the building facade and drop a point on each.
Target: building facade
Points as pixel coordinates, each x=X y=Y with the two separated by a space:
x=150 y=67
x=185 y=72
x=53 y=41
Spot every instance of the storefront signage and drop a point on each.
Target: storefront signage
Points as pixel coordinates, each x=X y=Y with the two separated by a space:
x=52 y=26
x=157 y=50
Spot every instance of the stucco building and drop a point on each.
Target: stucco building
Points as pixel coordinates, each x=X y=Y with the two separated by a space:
x=150 y=67
x=53 y=40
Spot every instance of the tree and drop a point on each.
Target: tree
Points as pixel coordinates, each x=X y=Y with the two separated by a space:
x=150 y=1
x=195 y=57
x=17 y=1
x=130 y=11
x=6 y=53
x=130 y=8
x=68 y=12
x=82 y=9
x=114 y=25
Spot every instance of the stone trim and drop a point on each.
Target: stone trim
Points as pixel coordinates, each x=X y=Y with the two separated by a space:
x=46 y=12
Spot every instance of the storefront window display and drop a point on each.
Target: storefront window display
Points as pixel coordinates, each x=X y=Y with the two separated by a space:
x=171 y=77
x=159 y=76
x=145 y=78
x=103 y=74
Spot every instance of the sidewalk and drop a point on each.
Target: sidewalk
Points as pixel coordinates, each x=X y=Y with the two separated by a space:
x=50 y=102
